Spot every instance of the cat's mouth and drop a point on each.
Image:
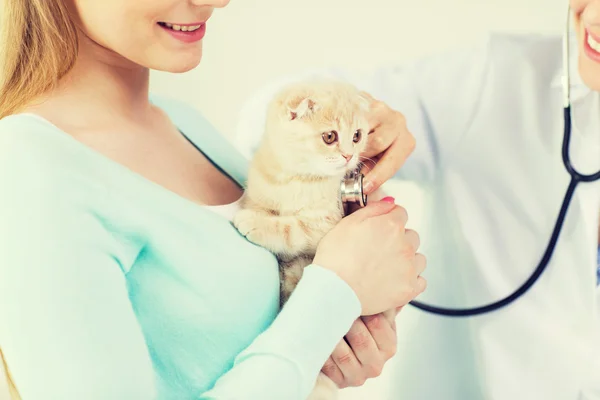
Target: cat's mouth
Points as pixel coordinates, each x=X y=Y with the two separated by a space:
x=347 y=166
x=340 y=165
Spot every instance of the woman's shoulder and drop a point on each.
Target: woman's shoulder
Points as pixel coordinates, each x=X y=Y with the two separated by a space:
x=530 y=63
x=20 y=129
x=541 y=51
x=25 y=143
x=494 y=57
x=520 y=41
x=38 y=163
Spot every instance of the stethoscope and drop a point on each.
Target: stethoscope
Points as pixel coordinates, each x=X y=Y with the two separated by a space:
x=352 y=198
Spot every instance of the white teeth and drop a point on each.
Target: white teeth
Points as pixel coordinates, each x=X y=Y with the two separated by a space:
x=593 y=44
x=182 y=28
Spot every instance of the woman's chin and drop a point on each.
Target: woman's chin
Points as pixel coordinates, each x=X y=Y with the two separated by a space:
x=177 y=65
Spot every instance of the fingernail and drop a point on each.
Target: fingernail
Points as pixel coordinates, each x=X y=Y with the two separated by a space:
x=389 y=199
x=367 y=186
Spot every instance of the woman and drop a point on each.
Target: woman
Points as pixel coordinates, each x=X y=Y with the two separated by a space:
x=121 y=276
x=489 y=129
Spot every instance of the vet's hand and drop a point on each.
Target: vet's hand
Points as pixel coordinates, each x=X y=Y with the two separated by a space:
x=368 y=345
x=389 y=145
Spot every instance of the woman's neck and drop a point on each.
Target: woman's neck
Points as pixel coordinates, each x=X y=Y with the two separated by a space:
x=101 y=88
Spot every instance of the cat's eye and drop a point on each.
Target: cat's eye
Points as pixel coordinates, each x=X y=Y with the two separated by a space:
x=357 y=136
x=330 y=137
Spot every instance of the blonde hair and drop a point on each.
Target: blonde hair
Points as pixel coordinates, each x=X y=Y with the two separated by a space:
x=38 y=46
x=12 y=390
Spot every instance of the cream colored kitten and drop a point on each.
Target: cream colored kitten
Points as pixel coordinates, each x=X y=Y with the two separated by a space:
x=314 y=134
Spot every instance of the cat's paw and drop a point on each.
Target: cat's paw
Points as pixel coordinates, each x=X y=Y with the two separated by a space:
x=245 y=221
x=248 y=222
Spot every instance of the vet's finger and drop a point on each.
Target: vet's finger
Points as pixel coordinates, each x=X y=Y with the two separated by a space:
x=389 y=164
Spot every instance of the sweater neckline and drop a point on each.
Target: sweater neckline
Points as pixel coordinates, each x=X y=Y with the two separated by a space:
x=137 y=187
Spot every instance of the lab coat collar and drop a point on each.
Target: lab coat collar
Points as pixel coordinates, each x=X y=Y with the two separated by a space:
x=579 y=90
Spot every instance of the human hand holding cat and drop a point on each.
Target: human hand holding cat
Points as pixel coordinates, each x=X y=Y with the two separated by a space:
x=390 y=144
x=376 y=256
x=369 y=344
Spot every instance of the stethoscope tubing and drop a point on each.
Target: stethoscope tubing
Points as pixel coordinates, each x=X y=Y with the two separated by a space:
x=576 y=178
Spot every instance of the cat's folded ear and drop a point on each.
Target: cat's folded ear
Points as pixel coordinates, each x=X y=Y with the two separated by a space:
x=300 y=107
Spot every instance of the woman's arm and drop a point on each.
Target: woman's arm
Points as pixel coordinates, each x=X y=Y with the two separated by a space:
x=68 y=330
x=283 y=363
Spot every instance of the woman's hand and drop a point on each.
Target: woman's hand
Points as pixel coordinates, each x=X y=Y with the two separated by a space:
x=369 y=344
x=389 y=145
x=376 y=256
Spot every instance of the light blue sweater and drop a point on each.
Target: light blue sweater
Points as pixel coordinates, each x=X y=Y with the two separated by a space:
x=112 y=287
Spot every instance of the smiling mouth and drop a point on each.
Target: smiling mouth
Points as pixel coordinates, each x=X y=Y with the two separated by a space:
x=180 y=28
x=593 y=43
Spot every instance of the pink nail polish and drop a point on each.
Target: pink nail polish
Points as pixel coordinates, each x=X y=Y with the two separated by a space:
x=389 y=199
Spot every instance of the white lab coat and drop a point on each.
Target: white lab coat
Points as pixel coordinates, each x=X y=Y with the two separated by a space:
x=488 y=124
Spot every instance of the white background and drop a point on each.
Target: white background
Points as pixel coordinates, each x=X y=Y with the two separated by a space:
x=251 y=41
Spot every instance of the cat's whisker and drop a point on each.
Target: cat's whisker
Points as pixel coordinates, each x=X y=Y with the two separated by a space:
x=362 y=159
x=361 y=166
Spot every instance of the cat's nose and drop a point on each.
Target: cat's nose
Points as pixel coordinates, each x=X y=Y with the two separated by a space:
x=348 y=157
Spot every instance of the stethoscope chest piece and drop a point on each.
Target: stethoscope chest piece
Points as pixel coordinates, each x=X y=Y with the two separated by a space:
x=351 y=193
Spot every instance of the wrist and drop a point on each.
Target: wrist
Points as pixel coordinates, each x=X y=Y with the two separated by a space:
x=334 y=267
x=336 y=284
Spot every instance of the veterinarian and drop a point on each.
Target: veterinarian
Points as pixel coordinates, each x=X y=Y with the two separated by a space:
x=512 y=310
x=121 y=275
